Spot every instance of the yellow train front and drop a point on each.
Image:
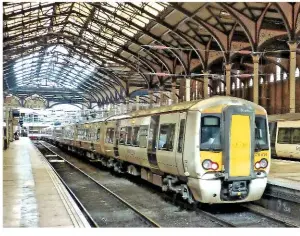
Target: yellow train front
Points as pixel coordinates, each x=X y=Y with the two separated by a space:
x=234 y=151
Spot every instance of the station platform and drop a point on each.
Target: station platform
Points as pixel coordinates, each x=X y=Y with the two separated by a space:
x=285 y=173
x=33 y=195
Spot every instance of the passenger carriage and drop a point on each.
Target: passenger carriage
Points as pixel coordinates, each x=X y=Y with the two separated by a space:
x=212 y=151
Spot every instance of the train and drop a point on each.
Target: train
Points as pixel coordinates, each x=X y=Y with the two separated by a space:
x=285 y=137
x=215 y=150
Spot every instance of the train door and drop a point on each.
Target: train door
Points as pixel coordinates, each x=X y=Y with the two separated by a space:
x=153 y=132
x=117 y=136
x=167 y=143
x=238 y=139
x=180 y=143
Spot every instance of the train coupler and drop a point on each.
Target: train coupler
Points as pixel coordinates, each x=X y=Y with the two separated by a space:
x=234 y=190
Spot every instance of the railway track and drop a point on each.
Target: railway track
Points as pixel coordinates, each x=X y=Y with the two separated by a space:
x=103 y=207
x=167 y=213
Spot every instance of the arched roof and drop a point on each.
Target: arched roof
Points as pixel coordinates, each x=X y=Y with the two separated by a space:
x=94 y=51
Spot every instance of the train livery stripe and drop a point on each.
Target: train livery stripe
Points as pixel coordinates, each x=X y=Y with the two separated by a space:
x=240 y=143
x=152 y=141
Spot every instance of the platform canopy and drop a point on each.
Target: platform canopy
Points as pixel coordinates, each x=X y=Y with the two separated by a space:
x=95 y=52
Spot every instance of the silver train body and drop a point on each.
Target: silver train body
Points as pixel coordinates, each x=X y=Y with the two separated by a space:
x=285 y=137
x=211 y=151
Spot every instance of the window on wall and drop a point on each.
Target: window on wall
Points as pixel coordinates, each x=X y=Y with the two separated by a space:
x=261 y=80
x=250 y=82
x=110 y=135
x=143 y=136
x=222 y=87
x=238 y=82
x=272 y=78
x=166 y=137
x=297 y=73
x=278 y=73
x=233 y=86
x=284 y=76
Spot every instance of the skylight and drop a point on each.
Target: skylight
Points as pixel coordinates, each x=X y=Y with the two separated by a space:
x=48 y=69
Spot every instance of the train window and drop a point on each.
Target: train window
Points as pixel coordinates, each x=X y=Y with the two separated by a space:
x=181 y=136
x=122 y=136
x=210 y=133
x=110 y=135
x=284 y=135
x=135 y=133
x=295 y=136
x=128 y=135
x=261 y=134
x=143 y=136
x=166 y=137
x=98 y=134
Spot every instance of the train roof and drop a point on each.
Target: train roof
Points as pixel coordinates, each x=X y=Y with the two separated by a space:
x=192 y=105
x=197 y=105
x=284 y=117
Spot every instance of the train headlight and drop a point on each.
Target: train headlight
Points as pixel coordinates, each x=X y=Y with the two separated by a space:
x=206 y=164
x=263 y=163
x=257 y=165
x=209 y=165
x=214 y=166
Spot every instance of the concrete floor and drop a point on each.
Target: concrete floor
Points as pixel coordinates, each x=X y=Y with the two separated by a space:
x=285 y=173
x=33 y=196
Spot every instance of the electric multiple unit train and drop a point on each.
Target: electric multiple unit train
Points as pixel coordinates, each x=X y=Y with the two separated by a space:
x=215 y=150
x=285 y=138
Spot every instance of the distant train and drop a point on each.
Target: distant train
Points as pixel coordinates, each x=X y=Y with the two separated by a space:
x=285 y=138
x=211 y=151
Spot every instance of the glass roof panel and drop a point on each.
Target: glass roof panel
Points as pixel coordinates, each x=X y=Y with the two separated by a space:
x=71 y=43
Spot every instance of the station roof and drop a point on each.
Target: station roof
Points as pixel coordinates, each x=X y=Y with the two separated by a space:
x=79 y=51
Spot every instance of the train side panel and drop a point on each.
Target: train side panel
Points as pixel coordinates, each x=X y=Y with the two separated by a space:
x=288 y=139
x=131 y=132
